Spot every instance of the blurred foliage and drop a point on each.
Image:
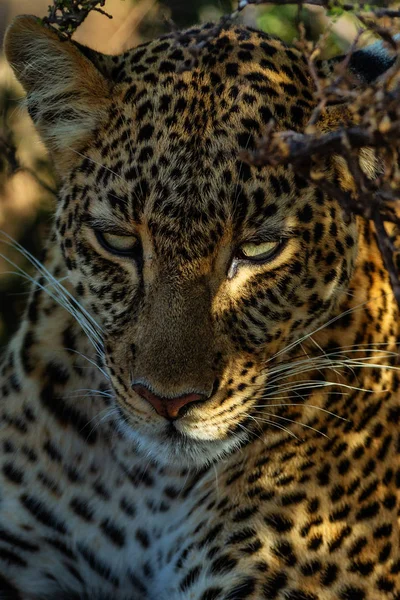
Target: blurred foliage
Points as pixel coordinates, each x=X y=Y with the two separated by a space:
x=186 y=13
x=26 y=205
x=26 y=181
x=281 y=20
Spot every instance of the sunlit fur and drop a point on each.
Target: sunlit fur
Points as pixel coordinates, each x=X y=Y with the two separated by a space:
x=209 y=315
x=283 y=482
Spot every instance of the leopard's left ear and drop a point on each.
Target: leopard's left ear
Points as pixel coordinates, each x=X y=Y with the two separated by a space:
x=368 y=63
x=67 y=95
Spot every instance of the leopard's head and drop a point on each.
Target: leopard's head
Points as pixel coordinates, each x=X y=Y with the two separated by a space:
x=200 y=269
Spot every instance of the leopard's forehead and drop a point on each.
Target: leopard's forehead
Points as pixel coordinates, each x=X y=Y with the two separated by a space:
x=178 y=122
x=227 y=53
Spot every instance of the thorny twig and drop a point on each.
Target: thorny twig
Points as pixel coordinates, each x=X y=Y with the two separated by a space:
x=375 y=127
x=68 y=15
x=357 y=8
x=9 y=151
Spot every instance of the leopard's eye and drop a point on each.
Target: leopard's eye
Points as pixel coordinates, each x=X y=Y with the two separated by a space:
x=259 y=252
x=122 y=245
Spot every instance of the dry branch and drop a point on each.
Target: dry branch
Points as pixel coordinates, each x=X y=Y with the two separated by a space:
x=68 y=15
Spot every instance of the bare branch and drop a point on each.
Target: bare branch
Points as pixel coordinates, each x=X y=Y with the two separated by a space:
x=68 y=15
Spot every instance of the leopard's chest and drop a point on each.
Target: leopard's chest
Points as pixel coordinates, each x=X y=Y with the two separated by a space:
x=113 y=533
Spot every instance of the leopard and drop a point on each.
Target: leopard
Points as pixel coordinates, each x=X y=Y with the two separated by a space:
x=201 y=401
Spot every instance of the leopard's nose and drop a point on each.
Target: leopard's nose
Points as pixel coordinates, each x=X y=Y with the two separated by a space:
x=170 y=408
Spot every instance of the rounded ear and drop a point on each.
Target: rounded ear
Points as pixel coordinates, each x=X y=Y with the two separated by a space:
x=368 y=63
x=66 y=94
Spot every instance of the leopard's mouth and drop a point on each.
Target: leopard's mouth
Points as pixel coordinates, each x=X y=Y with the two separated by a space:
x=173 y=434
x=173 y=444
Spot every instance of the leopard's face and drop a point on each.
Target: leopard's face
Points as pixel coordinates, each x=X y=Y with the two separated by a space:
x=200 y=269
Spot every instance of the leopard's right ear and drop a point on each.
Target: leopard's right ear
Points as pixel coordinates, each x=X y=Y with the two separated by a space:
x=66 y=94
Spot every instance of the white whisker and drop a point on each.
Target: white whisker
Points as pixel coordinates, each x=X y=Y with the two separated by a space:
x=292 y=421
x=327 y=324
x=90 y=360
x=303 y=406
x=57 y=292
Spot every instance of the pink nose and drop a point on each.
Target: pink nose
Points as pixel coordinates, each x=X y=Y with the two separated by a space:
x=166 y=407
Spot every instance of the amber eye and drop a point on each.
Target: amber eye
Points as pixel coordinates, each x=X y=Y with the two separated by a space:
x=122 y=245
x=260 y=252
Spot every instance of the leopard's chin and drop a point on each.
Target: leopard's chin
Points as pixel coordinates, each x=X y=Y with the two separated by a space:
x=171 y=448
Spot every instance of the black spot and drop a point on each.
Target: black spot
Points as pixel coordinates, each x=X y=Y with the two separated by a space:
x=241 y=536
x=66 y=414
x=190 y=579
x=143 y=110
x=143 y=538
x=244 y=55
x=82 y=509
x=127 y=507
x=52 y=451
x=310 y=568
x=278 y=522
x=167 y=66
x=268 y=48
x=352 y=593
x=11 y=558
x=57 y=373
x=145 y=154
x=245 y=140
x=280 y=111
x=368 y=512
x=114 y=533
x=299 y=595
x=330 y=574
x=12 y=473
x=211 y=594
x=242 y=590
x=223 y=564
x=244 y=514
x=305 y=214
x=61 y=547
x=97 y=565
x=274 y=584
x=232 y=69
x=42 y=514
x=7 y=590
x=176 y=55
x=145 y=133
x=17 y=542
x=266 y=114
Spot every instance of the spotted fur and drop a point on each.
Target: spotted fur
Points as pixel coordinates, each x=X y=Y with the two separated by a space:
x=283 y=481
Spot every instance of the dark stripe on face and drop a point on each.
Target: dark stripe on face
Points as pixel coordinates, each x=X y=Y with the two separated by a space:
x=67 y=415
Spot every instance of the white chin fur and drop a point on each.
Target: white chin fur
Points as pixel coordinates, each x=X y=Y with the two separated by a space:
x=182 y=452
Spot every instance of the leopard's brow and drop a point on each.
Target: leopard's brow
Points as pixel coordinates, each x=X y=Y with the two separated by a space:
x=106 y=224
